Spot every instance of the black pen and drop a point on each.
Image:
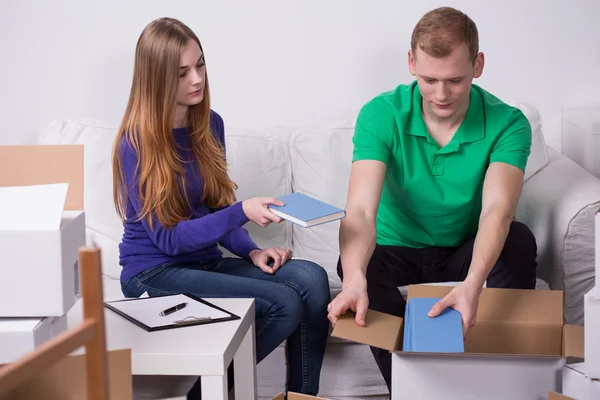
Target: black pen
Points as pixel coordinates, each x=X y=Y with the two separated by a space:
x=171 y=310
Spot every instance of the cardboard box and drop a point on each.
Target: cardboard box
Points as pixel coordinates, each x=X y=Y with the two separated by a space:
x=557 y=396
x=19 y=336
x=296 y=396
x=42 y=226
x=516 y=350
x=577 y=383
x=66 y=380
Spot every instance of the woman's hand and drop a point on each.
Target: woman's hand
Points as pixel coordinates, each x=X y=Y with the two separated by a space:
x=256 y=210
x=261 y=258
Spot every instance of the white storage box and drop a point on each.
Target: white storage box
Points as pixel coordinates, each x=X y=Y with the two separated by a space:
x=39 y=241
x=581 y=136
x=19 y=336
x=577 y=384
x=592 y=331
x=591 y=316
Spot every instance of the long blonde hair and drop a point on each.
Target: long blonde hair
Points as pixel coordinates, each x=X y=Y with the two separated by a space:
x=147 y=126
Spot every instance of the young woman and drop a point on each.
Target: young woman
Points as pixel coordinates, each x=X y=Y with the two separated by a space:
x=177 y=202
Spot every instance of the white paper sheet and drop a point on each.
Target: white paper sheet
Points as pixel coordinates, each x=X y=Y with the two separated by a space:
x=37 y=207
x=147 y=311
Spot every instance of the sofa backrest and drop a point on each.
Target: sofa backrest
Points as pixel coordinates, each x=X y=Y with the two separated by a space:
x=321 y=159
x=315 y=160
x=258 y=163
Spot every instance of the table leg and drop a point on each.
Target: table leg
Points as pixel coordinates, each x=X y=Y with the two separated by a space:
x=214 y=387
x=244 y=363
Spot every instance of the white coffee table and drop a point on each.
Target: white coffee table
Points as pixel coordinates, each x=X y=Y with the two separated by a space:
x=201 y=350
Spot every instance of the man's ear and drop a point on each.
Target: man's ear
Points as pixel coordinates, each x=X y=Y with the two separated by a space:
x=411 y=63
x=478 y=67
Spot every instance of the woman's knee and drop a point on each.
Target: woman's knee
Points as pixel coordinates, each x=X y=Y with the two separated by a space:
x=284 y=304
x=312 y=279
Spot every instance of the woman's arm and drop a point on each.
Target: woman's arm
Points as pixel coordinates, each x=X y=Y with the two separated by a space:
x=239 y=243
x=186 y=236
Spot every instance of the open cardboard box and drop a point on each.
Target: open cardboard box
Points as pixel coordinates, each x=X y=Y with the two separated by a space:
x=42 y=226
x=516 y=350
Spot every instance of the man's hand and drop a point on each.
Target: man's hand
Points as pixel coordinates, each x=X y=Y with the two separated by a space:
x=261 y=258
x=463 y=298
x=352 y=297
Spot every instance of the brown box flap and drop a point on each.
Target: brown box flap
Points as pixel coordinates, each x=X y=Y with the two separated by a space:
x=382 y=330
x=298 y=396
x=507 y=305
x=25 y=165
x=66 y=379
x=515 y=338
x=573 y=343
x=557 y=396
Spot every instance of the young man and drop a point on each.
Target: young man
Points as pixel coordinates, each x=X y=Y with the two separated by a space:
x=437 y=172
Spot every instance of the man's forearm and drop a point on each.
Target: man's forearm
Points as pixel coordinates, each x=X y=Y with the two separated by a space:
x=357 y=243
x=489 y=242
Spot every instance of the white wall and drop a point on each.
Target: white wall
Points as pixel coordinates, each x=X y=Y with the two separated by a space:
x=283 y=62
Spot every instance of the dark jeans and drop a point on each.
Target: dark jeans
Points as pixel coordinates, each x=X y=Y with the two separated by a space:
x=290 y=304
x=393 y=266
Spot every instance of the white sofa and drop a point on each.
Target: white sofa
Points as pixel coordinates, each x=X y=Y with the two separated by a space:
x=558 y=203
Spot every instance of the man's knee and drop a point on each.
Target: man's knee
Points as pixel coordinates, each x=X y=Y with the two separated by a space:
x=517 y=265
x=340 y=271
x=520 y=237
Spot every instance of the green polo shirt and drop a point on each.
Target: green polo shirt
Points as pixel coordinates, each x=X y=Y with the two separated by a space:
x=432 y=196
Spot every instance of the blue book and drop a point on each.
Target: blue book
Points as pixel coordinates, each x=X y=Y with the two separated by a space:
x=306 y=211
x=442 y=334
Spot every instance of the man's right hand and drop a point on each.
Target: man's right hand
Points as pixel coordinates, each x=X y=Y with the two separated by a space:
x=352 y=297
x=256 y=210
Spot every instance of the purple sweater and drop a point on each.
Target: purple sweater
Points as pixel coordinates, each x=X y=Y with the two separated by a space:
x=191 y=241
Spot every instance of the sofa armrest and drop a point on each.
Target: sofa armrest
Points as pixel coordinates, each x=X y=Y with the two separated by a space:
x=559 y=204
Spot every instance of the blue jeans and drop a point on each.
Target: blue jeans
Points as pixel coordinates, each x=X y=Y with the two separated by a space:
x=290 y=304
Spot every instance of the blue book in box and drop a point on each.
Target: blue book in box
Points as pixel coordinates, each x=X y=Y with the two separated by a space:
x=441 y=334
x=306 y=211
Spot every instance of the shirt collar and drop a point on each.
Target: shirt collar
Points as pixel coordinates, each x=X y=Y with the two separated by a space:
x=471 y=129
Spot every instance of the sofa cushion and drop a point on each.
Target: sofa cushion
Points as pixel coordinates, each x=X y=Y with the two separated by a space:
x=249 y=153
x=321 y=159
x=259 y=164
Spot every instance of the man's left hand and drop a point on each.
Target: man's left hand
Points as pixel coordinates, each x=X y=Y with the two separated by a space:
x=464 y=298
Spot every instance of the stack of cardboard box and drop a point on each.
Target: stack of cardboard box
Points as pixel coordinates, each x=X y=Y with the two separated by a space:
x=42 y=227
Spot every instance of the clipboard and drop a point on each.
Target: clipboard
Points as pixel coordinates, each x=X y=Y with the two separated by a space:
x=146 y=312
